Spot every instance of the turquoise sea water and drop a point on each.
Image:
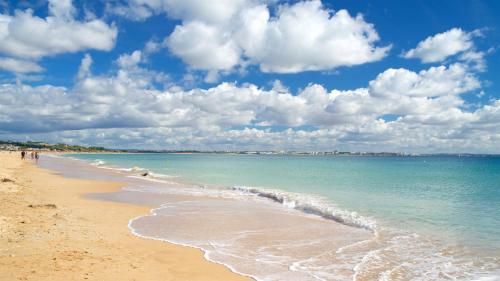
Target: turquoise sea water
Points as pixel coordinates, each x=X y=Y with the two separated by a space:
x=453 y=199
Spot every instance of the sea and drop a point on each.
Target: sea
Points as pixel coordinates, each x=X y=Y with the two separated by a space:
x=303 y=217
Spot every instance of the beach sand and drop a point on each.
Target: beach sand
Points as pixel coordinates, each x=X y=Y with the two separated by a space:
x=49 y=231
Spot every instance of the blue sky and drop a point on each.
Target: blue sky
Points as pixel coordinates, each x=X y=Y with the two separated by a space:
x=415 y=76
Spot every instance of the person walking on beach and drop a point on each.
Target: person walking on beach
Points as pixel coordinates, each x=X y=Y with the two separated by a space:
x=36 y=157
x=32 y=155
x=23 y=154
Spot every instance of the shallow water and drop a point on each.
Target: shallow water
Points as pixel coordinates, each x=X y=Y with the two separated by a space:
x=320 y=218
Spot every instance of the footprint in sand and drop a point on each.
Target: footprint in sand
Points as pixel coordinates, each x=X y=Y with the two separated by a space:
x=45 y=206
x=7 y=185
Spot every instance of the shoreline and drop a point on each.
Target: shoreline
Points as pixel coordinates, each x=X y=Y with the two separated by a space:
x=49 y=230
x=387 y=241
x=340 y=234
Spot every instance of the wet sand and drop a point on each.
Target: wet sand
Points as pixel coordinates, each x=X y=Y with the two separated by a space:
x=252 y=235
x=49 y=231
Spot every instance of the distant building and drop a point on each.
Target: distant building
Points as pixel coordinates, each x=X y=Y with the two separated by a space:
x=9 y=147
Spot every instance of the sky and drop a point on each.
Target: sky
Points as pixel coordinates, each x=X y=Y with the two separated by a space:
x=311 y=75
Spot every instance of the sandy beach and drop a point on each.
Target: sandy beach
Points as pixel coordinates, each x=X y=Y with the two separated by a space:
x=48 y=231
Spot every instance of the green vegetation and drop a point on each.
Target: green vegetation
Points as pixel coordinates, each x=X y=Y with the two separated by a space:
x=53 y=147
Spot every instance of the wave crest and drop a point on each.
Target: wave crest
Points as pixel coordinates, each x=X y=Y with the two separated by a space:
x=98 y=162
x=311 y=205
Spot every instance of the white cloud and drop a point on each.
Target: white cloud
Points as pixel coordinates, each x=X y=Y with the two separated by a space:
x=474 y=58
x=127 y=110
x=152 y=47
x=24 y=35
x=207 y=11
x=84 y=69
x=436 y=81
x=439 y=47
x=19 y=66
x=222 y=35
x=62 y=9
x=305 y=36
x=204 y=46
x=128 y=61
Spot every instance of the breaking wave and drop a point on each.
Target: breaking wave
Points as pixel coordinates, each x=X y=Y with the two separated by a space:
x=312 y=205
x=98 y=162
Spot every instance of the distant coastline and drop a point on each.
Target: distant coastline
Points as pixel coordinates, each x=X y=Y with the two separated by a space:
x=42 y=146
x=66 y=148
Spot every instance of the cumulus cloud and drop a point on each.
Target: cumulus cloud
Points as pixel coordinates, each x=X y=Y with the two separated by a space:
x=29 y=37
x=203 y=46
x=208 y=11
x=62 y=9
x=126 y=109
x=392 y=92
x=433 y=82
x=130 y=60
x=84 y=69
x=223 y=35
x=441 y=46
x=19 y=66
x=306 y=36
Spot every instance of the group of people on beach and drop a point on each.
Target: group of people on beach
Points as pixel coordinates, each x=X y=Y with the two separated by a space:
x=34 y=155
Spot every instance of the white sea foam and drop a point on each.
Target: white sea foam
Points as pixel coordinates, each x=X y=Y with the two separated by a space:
x=488 y=278
x=162 y=176
x=136 y=172
x=408 y=256
x=312 y=205
x=302 y=202
x=395 y=254
x=98 y=162
x=272 y=258
x=206 y=253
